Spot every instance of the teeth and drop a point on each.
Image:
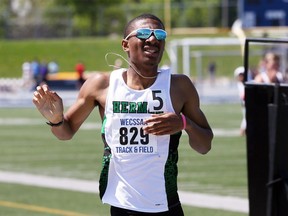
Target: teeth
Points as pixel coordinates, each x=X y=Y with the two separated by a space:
x=152 y=50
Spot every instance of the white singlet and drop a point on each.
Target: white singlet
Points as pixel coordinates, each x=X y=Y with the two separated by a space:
x=136 y=170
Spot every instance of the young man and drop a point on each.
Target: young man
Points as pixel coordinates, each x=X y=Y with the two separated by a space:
x=144 y=111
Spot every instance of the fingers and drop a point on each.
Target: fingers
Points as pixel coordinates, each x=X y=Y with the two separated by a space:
x=38 y=95
x=42 y=94
x=157 y=129
x=54 y=96
x=48 y=103
x=166 y=123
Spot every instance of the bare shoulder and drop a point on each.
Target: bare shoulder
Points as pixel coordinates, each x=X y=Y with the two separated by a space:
x=182 y=82
x=95 y=88
x=95 y=83
x=98 y=80
x=183 y=92
x=180 y=77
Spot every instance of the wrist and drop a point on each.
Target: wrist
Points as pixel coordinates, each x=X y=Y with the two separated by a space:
x=56 y=123
x=184 y=121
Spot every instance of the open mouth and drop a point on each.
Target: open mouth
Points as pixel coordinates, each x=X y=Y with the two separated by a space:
x=151 y=50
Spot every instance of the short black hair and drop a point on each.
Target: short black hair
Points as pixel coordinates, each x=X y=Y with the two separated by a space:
x=127 y=29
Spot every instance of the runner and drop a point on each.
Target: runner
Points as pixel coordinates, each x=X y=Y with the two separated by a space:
x=144 y=111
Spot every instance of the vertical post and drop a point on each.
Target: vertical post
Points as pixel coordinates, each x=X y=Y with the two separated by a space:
x=199 y=66
x=167 y=15
x=246 y=59
x=272 y=130
x=225 y=16
x=173 y=55
x=186 y=59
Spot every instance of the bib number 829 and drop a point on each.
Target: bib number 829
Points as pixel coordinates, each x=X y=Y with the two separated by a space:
x=133 y=136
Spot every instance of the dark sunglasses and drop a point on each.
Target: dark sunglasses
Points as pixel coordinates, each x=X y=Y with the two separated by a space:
x=145 y=33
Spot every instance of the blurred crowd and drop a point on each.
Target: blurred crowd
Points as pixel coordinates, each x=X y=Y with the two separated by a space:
x=268 y=71
x=35 y=73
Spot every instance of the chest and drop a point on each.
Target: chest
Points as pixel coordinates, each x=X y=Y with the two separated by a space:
x=150 y=101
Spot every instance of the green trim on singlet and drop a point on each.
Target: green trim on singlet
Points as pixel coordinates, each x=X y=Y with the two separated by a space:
x=103 y=181
x=103 y=125
x=171 y=170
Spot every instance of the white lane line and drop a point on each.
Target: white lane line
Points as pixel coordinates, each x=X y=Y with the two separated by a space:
x=97 y=125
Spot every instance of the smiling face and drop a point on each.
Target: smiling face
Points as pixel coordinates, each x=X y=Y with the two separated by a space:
x=144 y=53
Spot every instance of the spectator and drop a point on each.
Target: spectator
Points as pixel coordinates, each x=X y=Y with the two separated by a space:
x=27 y=76
x=212 y=71
x=271 y=67
x=53 y=67
x=80 y=69
x=35 y=66
x=43 y=72
x=239 y=75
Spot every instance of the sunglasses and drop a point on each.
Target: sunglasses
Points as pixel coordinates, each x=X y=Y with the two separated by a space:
x=145 y=33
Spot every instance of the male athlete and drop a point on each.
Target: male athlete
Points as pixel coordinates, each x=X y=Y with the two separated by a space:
x=144 y=111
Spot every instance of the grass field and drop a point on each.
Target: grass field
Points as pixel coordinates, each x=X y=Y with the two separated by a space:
x=28 y=146
x=92 y=51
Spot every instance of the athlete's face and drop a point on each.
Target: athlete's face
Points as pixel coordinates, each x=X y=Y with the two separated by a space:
x=144 y=52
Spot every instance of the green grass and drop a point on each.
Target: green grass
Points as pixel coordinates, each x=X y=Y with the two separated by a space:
x=67 y=52
x=92 y=51
x=31 y=148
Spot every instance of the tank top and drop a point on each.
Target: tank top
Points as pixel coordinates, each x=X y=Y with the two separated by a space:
x=266 y=79
x=139 y=170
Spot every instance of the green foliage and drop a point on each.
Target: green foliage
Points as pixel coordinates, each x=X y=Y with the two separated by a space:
x=90 y=9
x=92 y=17
x=115 y=22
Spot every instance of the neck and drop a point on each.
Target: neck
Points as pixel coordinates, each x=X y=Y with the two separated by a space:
x=138 y=82
x=141 y=75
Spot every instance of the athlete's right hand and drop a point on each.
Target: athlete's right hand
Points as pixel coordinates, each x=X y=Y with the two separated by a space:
x=49 y=104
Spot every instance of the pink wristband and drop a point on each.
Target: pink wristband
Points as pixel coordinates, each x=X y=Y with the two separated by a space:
x=184 y=121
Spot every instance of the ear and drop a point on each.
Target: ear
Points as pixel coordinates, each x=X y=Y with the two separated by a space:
x=125 y=45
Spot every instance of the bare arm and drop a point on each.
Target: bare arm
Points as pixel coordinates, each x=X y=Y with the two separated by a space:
x=198 y=129
x=50 y=105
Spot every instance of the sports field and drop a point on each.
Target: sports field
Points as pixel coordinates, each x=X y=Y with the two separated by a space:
x=27 y=146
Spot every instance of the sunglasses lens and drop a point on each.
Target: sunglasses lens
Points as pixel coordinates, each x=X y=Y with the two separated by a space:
x=146 y=33
x=143 y=33
x=160 y=34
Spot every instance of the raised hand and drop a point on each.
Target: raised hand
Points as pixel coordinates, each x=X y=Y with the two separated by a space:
x=49 y=104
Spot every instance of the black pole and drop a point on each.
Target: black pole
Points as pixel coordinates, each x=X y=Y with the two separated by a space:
x=272 y=127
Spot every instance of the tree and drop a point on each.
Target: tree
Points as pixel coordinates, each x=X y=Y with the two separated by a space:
x=88 y=9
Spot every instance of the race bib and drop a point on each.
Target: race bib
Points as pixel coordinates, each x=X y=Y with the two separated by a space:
x=128 y=137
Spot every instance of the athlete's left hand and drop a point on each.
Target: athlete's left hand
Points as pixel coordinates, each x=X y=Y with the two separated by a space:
x=163 y=124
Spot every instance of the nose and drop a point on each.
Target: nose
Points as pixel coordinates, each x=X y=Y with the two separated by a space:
x=152 y=38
